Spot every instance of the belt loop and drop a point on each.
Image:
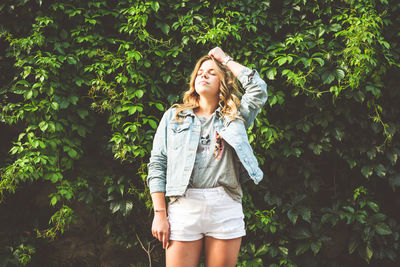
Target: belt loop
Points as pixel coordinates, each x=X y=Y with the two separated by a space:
x=220 y=190
x=184 y=193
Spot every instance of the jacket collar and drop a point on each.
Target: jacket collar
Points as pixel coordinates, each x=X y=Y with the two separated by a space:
x=186 y=112
x=190 y=112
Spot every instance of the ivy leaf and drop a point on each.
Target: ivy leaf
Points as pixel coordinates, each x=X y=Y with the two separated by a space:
x=302 y=247
x=368 y=253
x=166 y=78
x=153 y=124
x=339 y=74
x=373 y=206
x=353 y=244
x=159 y=106
x=328 y=77
x=82 y=113
x=379 y=217
x=366 y=171
x=128 y=208
x=301 y=233
x=71 y=60
x=139 y=93
x=262 y=250
x=72 y=153
x=380 y=170
x=271 y=73
x=163 y=26
x=335 y=27
x=383 y=229
x=292 y=215
x=53 y=201
x=320 y=61
x=305 y=213
x=43 y=126
x=155 y=6
x=73 y=99
x=316 y=246
x=28 y=94
x=54 y=177
x=114 y=207
x=81 y=131
x=282 y=61
x=394 y=181
x=55 y=105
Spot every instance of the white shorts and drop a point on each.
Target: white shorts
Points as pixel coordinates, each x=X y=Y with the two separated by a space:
x=205 y=212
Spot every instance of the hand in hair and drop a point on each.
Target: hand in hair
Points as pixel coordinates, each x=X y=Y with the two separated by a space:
x=217 y=53
x=220 y=56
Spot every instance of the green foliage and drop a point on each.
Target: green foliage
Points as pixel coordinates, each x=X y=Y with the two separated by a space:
x=23 y=253
x=84 y=85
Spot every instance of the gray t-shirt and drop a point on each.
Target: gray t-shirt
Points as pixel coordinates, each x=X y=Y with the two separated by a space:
x=216 y=162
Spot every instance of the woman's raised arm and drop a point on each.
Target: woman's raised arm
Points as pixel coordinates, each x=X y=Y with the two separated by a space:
x=255 y=88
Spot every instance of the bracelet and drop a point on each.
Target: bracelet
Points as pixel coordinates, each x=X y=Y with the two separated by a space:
x=226 y=60
x=160 y=210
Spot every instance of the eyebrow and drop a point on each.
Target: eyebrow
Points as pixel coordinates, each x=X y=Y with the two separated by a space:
x=203 y=69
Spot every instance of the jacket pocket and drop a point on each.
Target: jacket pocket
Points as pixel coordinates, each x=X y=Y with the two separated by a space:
x=177 y=134
x=179 y=128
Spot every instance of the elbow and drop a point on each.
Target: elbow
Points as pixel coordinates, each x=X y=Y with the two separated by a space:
x=156 y=178
x=156 y=185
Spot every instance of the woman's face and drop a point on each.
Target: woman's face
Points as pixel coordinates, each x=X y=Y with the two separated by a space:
x=207 y=81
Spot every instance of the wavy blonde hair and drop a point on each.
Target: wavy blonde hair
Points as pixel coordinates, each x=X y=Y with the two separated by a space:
x=228 y=97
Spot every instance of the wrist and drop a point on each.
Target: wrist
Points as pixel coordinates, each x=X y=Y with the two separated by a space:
x=160 y=212
x=160 y=216
x=226 y=59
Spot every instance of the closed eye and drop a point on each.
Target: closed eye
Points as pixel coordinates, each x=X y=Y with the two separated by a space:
x=211 y=72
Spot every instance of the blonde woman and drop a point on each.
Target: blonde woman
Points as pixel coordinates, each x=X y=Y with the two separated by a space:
x=201 y=154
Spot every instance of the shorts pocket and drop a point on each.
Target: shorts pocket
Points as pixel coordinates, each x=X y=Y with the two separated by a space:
x=226 y=198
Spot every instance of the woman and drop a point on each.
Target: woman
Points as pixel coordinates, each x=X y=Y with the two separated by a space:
x=201 y=154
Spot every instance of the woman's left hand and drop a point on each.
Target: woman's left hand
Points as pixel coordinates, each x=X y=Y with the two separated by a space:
x=217 y=53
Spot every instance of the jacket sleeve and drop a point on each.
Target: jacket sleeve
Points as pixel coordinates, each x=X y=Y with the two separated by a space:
x=254 y=97
x=157 y=166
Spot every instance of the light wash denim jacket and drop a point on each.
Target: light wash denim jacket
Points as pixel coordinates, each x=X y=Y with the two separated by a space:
x=175 y=144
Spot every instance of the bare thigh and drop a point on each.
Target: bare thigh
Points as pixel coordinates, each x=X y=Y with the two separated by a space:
x=183 y=253
x=221 y=252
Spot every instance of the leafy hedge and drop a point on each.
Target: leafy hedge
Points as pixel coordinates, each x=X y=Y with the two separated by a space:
x=84 y=84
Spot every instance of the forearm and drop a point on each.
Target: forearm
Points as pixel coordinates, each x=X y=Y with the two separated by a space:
x=159 y=204
x=160 y=227
x=235 y=67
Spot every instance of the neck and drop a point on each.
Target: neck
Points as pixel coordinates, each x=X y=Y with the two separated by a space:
x=207 y=106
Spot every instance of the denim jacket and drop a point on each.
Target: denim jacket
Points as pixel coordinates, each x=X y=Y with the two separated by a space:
x=175 y=143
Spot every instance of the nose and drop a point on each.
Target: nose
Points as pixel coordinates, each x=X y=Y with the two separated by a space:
x=204 y=74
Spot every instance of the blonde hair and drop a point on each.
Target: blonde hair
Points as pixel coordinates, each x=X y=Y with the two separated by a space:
x=228 y=98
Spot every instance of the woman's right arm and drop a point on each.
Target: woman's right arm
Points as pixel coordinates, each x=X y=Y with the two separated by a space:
x=156 y=180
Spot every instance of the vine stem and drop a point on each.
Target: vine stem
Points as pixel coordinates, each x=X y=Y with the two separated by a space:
x=148 y=250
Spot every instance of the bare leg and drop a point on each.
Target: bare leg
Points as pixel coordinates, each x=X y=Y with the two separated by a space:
x=183 y=253
x=221 y=252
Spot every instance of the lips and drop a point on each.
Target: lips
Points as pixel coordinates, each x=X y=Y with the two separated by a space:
x=203 y=82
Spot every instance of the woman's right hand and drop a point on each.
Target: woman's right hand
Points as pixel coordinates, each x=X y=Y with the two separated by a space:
x=160 y=228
